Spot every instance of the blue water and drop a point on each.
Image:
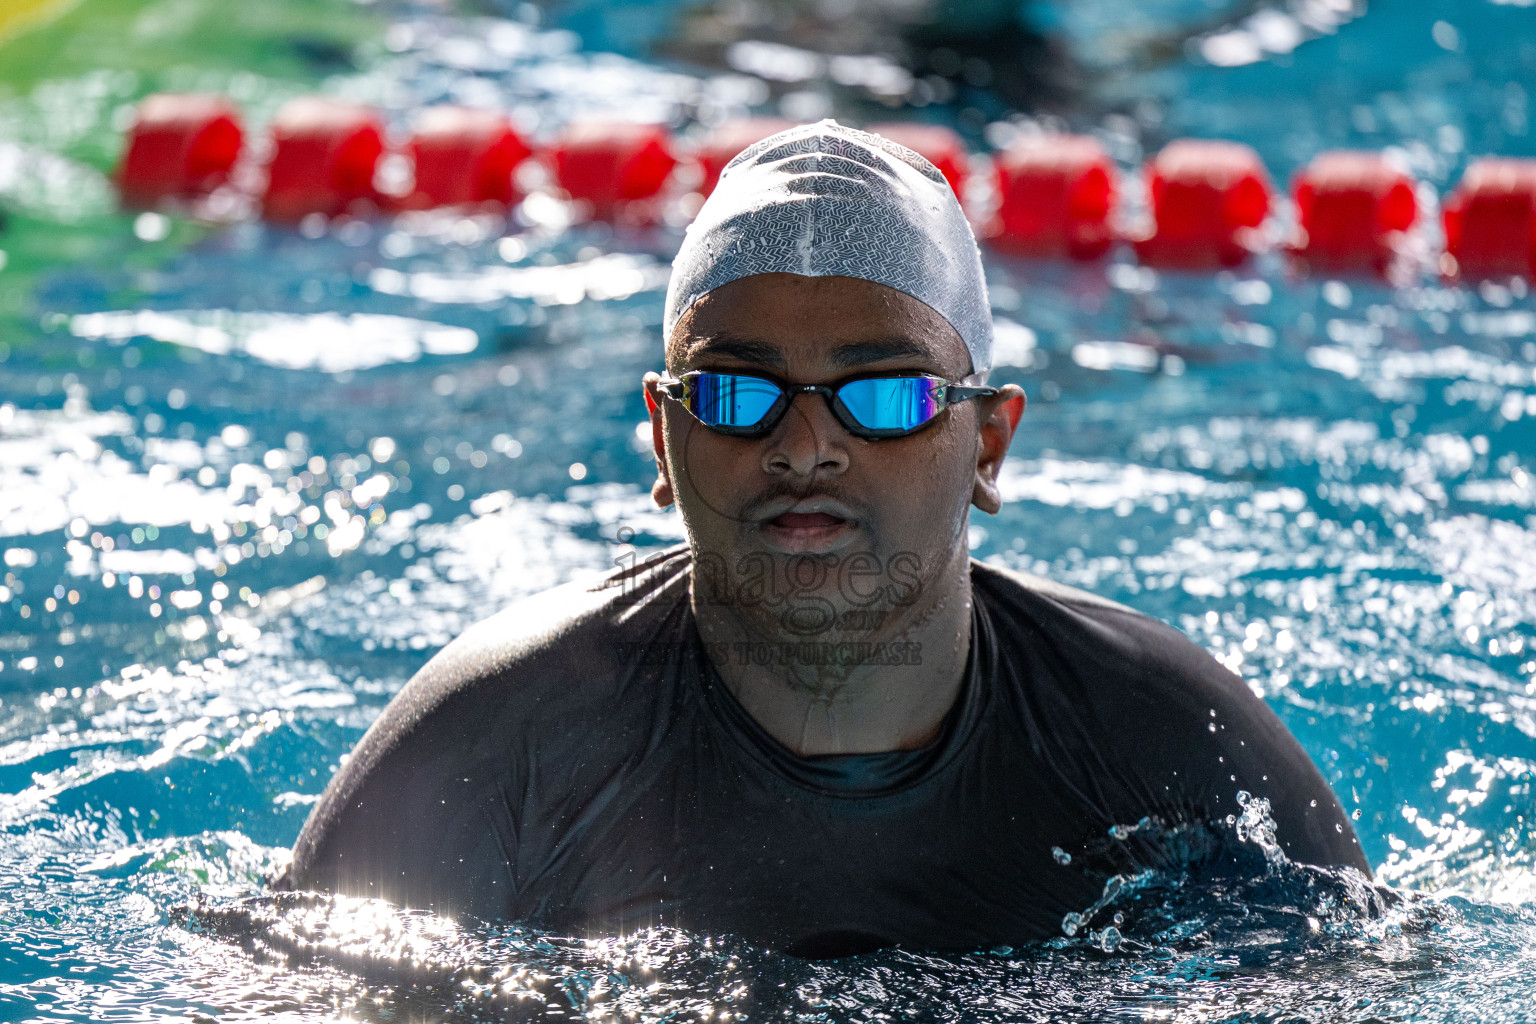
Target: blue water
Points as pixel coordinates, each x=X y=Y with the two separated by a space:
x=245 y=494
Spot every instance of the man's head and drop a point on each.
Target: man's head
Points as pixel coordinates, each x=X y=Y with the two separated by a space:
x=822 y=200
x=827 y=254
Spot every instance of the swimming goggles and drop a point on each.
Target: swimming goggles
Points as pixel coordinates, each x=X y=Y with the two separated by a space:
x=872 y=407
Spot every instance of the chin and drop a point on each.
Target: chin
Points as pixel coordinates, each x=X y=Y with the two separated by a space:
x=814 y=587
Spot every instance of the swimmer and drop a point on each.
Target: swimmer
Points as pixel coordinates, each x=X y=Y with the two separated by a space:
x=819 y=725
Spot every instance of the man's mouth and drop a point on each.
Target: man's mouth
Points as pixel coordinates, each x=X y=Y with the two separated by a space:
x=805 y=520
x=809 y=526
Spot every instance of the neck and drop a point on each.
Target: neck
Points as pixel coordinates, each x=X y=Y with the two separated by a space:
x=882 y=680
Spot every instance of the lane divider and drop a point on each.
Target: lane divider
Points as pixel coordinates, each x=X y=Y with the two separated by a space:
x=179 y=145
x=1052 y=196
x=464 y=156
x=1490 y=220
x=1353 y=210
x=611 y=164
x=324 y=158
x=1209 y=199
x=1055 y=195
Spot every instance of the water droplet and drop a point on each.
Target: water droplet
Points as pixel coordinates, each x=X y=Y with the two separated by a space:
x=1109 y=939
x=1071 y=923
x=1061 y=856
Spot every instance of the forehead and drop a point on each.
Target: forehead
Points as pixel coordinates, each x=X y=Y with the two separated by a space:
x=815 y=323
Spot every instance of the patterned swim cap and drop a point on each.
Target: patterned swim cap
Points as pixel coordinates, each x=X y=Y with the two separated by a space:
x=823 y=200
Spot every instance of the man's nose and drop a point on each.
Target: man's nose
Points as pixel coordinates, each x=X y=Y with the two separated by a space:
x=808 y=440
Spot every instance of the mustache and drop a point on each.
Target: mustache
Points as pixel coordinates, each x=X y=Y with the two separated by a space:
x=755 y=508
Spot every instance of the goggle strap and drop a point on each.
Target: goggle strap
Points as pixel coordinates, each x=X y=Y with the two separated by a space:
x=965 y=392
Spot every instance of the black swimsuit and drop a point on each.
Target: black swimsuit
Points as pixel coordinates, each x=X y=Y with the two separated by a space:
x=576 y=762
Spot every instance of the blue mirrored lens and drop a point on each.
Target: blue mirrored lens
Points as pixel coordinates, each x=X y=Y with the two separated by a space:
x=731 y=400
x=891 y=403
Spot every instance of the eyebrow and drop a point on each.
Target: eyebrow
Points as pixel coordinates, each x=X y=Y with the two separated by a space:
x=860 y=352
x=850 y=356
x=758 y=353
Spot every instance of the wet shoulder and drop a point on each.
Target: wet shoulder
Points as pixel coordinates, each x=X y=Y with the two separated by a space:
x=532 y=696
x=1104 y=653
x=1023 y=599
x=573 y=645
x=535 y=675
x=1132 y=711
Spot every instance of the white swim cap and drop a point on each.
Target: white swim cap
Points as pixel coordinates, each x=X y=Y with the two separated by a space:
x=823 y=200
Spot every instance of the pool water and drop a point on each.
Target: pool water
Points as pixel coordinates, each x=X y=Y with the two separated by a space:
x=248 y=488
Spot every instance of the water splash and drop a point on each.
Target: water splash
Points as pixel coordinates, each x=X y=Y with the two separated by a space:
x=1116 y=885
x=1256 y=826
x=1295 y=941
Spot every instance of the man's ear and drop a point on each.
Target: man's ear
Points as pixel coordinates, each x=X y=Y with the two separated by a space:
x=661 y=490
x=1000 y=418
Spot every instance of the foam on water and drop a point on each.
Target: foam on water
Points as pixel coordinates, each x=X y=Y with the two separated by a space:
x=244 y=495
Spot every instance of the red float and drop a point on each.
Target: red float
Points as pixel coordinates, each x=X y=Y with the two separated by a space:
x=611 y=164
x=1207 y=197
x=180 y=144
x=1055 y=193
x=726 y=140
x=937 y=144
x=1352 y=208
x=1490 y=219
x=464 y=156
x=324 y=155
